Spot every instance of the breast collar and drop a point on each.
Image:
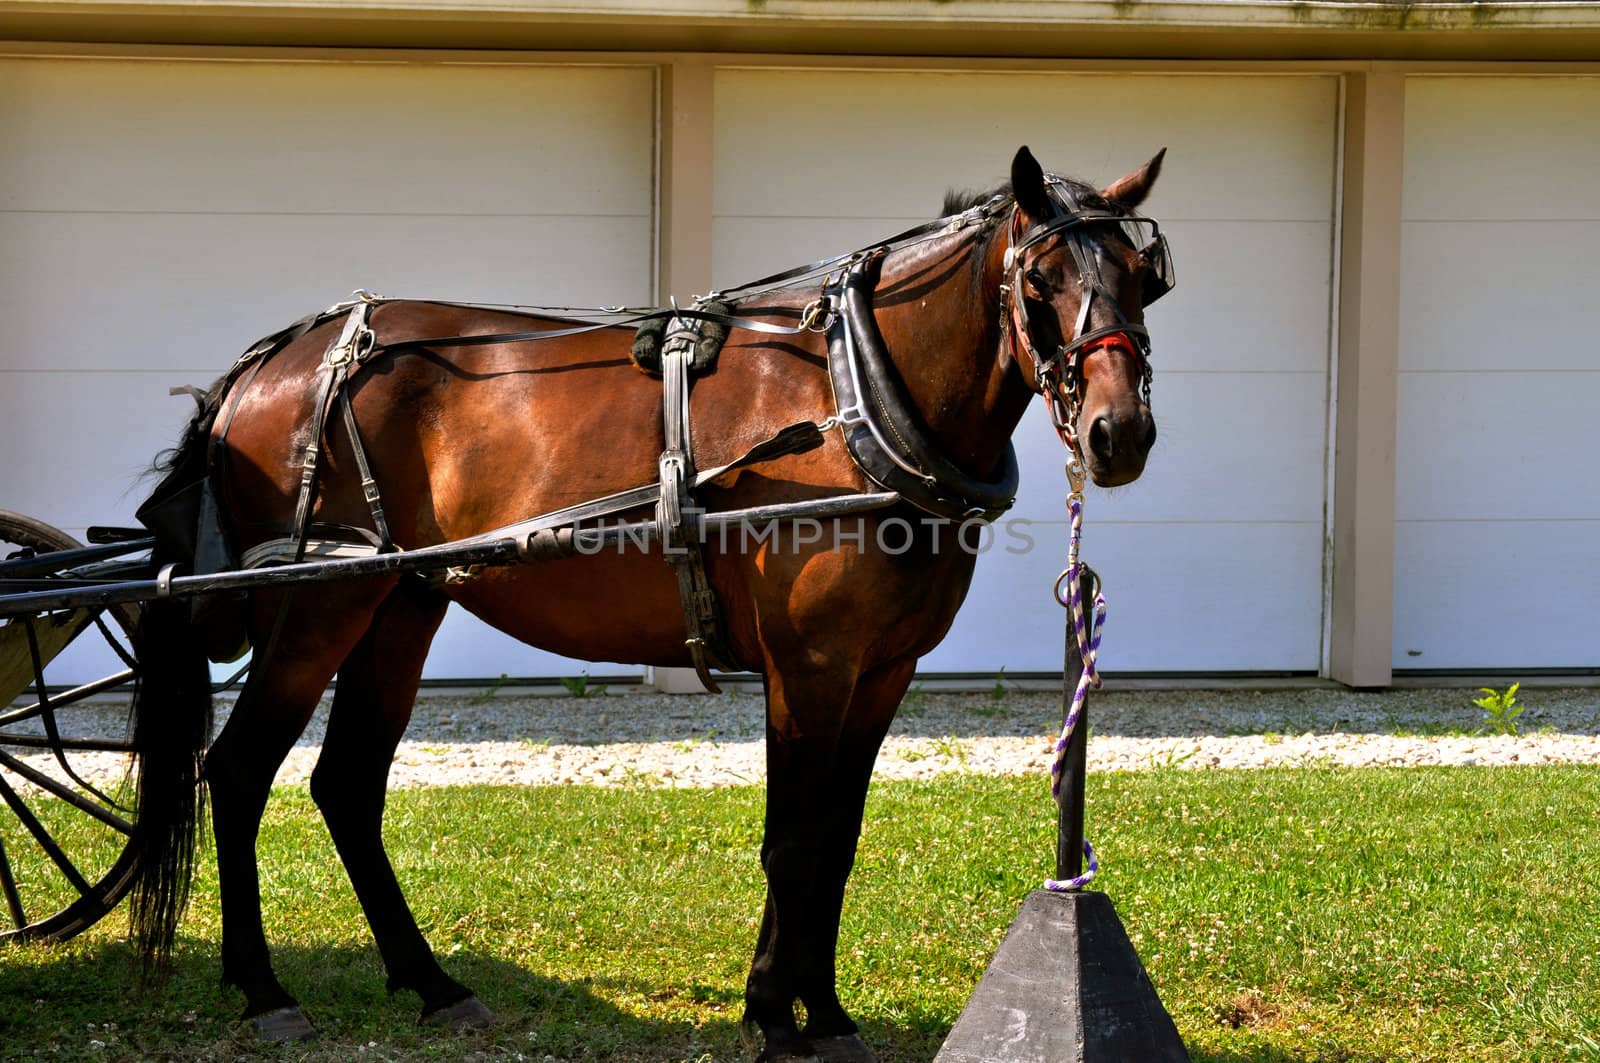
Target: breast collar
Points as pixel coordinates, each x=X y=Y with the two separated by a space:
x=886 y=436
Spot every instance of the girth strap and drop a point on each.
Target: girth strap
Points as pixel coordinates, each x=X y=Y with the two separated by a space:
x=676 y=518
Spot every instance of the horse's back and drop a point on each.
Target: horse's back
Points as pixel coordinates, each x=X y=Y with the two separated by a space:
x=460 y=439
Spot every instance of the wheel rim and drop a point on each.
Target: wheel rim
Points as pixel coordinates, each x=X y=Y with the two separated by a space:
x=66 y=792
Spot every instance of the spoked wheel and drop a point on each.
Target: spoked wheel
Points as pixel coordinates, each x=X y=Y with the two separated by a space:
x=66 y=793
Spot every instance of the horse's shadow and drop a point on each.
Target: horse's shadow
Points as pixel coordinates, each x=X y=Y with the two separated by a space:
x=85 y=1004
x=88 y=1004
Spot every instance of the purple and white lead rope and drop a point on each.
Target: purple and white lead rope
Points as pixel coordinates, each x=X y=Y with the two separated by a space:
x=1087 y=629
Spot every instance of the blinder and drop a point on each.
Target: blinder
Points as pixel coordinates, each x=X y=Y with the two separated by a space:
x=1142 y=234
x=1159 y=278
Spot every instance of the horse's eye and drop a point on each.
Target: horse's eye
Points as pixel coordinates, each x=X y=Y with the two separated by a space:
x=1036 y=281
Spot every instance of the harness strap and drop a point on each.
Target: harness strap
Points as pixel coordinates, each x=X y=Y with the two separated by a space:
x=369 y=486
x=354 y=344
x=311 y=464
x=972 y=216
x=732 y=321
x=678 y=529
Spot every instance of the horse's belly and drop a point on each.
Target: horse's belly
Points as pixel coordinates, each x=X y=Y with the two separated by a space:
x=603 y=608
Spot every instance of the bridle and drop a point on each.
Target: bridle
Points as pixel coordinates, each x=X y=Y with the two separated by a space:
x=1059 y=376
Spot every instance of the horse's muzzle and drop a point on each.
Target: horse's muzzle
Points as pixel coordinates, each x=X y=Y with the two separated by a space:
x=1117 y=444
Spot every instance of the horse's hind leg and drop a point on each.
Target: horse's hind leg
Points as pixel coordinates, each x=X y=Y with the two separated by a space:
x=272 y=709
x=371 y=706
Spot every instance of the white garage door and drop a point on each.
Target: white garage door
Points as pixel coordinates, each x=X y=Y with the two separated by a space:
x=158 y=216
x=1497 y=552
x=1213 y=561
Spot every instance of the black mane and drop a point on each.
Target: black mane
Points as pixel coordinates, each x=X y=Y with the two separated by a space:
x=1084 y=194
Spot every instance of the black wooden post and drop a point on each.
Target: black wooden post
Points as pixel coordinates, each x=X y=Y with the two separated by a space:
x=1066 y=985
x=1074 y=770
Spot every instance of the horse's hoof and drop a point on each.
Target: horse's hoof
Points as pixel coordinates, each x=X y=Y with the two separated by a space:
x=468 y=1013
x=789 y=1050
x=845 y=1048
x=283 y=1025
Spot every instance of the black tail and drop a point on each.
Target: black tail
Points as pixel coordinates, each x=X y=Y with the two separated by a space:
x=171 y=713
x=171 y=719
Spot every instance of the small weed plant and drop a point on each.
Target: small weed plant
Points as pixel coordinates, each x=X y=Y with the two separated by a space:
x=581 y=687
x=1500 y=710
x=997 y=696
x=688 y=745
x=490 y=692
x=1171 y=760
x=951 y=748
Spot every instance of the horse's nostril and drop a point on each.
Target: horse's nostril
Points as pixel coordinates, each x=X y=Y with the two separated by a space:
x=1149 y=433
x=1100 y=438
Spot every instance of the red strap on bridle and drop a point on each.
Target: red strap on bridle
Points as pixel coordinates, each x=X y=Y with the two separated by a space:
x=1119 y=340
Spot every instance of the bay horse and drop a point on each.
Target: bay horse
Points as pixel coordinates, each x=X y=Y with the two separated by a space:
x=1033 y=289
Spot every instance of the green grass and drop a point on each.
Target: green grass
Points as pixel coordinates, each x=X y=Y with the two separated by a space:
x=1284 y=915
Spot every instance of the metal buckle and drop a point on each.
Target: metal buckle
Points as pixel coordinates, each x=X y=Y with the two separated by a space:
x=669 y=506
x=456 y=575
x=360 y=344
x=845 y=418
x=818 y=315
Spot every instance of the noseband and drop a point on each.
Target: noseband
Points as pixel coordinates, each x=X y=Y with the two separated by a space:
x=1059 y=377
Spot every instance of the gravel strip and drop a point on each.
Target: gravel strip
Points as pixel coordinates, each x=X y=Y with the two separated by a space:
x=626 y=737
x=629 y=738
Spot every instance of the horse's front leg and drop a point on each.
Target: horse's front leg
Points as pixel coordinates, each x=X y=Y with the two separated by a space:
x=792 y=850
x=830 y=1030
x=822 y=739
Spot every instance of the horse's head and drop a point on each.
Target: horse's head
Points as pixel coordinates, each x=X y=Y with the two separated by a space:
x=1081 y=267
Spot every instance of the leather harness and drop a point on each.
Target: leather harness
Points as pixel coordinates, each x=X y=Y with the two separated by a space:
x=883 y=433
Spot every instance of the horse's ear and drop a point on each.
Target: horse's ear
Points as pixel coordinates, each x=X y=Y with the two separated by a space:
x=1130 y=191
x=1027 y=184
